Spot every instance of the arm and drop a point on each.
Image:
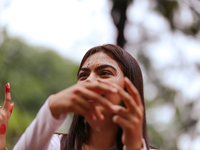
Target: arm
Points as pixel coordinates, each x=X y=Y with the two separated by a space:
x=5 y=113
x=52 y=114
x=41 y=130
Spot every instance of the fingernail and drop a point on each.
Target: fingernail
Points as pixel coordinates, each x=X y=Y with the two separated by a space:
x=7 y=87
x=101 y=117
x=11 y=107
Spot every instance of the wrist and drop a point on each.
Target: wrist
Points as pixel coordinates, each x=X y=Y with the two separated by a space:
x=2 y=142
x=54 y=111
x=137 y=146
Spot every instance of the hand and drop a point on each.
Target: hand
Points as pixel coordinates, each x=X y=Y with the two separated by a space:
x=130 y=118
x=5 y=114
x=77 y=98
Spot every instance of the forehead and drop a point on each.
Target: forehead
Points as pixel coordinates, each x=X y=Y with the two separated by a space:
x=99 y=58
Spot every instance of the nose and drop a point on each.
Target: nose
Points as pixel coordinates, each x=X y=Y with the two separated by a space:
x=92 y=78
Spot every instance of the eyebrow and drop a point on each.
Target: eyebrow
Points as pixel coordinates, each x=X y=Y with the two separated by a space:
x=99 y=68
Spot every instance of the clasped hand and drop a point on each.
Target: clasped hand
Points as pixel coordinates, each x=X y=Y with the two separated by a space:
x=130 y=118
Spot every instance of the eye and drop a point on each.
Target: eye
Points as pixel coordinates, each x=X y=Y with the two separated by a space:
x=105 y=73
x=83 y=76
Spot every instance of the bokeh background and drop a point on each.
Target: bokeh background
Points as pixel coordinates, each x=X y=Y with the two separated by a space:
x=42 y=43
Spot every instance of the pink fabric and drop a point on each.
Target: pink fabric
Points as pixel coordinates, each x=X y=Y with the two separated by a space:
x=39 y=133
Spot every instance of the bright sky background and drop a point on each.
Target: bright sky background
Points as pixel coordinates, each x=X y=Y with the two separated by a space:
x=71 y=27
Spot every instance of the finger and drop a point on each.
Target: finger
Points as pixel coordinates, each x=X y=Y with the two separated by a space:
x=121 y=111
x=0 y=107
x=131 y=105
x=97 y=113
x=93 y=112
x=78 y=105
x=100 y=87
x=11 y=107
x=78 y=100
x=101 y=116
x=122 y=122
x=133 y=91
x=96 y=98
x=108 y=83
x=85 y=105
x=127 y=99
x=7 y=97
x=78 y=109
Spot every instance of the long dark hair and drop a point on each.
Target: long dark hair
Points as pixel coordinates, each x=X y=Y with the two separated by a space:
x=79 y=132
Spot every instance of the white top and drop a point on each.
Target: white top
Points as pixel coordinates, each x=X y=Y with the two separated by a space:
x=40 y=133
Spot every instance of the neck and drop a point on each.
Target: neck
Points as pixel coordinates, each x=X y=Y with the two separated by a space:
x=103 y=135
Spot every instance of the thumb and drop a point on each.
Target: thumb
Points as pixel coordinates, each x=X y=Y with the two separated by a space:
x=11 y=107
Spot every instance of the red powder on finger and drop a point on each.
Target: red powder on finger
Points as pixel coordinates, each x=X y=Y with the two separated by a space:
x=3 y=129
x=11 y=107
x=7 y=88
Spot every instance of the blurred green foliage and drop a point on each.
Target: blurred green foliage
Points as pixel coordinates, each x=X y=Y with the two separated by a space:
x=182 y=124
x=34 y=73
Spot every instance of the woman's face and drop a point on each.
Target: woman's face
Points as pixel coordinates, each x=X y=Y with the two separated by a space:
x=101 y=67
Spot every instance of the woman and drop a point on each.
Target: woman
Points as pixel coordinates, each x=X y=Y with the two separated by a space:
x=5 y=113
x=108 y=107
